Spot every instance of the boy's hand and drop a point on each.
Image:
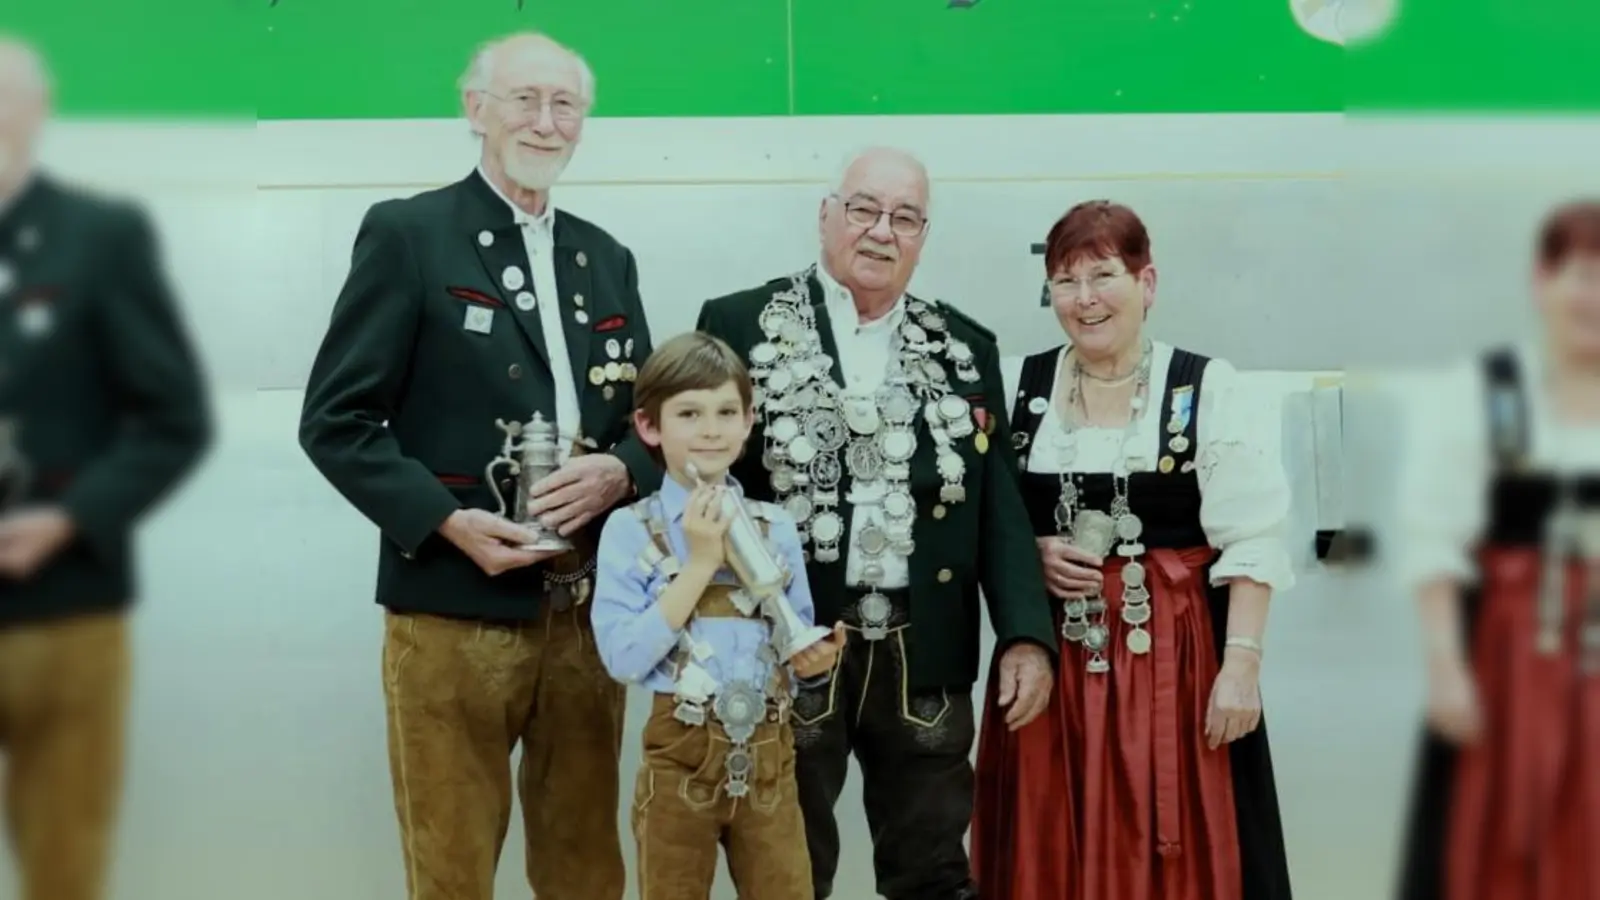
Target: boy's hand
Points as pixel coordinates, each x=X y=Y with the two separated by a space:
x=819 y=657
x=704 y=526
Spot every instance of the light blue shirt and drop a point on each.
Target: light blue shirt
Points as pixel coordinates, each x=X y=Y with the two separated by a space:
x=632 y=634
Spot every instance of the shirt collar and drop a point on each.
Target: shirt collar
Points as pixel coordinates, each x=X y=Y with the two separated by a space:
x=842 y=304
x=544 y=223
x=674 y=496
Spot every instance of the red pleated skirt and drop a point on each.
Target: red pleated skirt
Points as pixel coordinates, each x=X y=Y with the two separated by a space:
x=1524 y=811
x=1112 y=793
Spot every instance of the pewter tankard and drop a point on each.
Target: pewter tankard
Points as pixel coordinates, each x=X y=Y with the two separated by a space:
x=530 y=453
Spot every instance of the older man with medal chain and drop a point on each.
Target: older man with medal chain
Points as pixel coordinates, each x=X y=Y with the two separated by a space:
x=881 y=429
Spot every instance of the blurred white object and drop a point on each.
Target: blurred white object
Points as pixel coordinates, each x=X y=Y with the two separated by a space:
x=1344 y=21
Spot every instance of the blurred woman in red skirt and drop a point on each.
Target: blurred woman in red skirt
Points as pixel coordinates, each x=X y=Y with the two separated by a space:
x=1502 y=547
x=1156 y=489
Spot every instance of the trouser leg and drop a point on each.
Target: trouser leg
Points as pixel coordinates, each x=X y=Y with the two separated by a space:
x=63 y=712
x=455 y=691
x=914 y=748
x=767 y=851
x=678 y=811
x=823 y=725
x=571 y=756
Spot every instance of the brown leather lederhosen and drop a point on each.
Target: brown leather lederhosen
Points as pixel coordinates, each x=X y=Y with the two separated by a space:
x=682 y=811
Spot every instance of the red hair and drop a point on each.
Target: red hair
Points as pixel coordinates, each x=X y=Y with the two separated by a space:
x=1569 y=230
x=1097 y=229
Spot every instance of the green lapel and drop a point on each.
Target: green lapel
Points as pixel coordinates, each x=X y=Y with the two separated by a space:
x=486 y=221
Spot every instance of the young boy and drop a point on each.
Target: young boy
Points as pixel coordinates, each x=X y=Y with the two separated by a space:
x=668 y=612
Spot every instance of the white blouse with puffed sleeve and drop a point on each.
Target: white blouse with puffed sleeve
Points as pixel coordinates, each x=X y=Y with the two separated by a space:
x=1244 y=488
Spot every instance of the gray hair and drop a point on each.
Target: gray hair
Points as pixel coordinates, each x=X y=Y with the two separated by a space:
x=481 y=70
x=33 y=64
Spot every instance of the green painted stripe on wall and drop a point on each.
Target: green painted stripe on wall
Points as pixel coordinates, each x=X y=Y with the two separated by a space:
x=374 y=59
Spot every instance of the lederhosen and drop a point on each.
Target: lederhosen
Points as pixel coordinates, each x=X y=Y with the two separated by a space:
x=1533 y=640
x=720 y=780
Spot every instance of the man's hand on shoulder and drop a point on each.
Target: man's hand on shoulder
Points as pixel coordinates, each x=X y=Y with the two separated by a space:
x=571 y=497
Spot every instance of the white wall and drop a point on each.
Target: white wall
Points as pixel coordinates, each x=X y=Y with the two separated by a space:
x=258 y=766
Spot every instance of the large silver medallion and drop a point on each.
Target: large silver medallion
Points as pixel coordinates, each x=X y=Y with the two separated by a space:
x=875 y=611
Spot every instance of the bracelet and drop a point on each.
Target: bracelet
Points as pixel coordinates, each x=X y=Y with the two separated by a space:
x=1243 y=643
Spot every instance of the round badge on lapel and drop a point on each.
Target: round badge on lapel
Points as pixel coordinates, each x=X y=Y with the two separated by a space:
x=628 y=347
x=582 y=317
x=583 y=259
x=485 y=239
x=35 y=320
x=1038 y=405
x=613 y=349
x=512 y=278
x=526 y=301
x=577 y=299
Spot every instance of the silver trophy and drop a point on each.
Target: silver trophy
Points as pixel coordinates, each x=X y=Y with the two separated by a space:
x=15 y=474
x=762 y=576
x=530 y=453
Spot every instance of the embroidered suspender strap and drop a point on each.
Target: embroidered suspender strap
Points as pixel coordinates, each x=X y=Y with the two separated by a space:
x=1035 y=382
x=1180 y=404
x=1508 y=409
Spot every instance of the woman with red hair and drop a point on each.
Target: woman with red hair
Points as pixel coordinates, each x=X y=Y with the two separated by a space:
x=1501 y=519
x=1158 y=497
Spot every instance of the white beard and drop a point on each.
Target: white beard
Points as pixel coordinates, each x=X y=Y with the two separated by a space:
x=536 y=173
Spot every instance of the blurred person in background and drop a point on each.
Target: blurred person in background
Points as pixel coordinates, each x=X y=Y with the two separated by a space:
x=1154 y=483
x=102 y=413
x=1502 y=553
x=477 y=303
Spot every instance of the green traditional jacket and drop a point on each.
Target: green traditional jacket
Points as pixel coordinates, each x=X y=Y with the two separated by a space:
x=101 y=385
x=427 y=347
x=981 y=546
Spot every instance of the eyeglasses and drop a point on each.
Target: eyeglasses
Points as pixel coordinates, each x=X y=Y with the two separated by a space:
x=564 y=106
x=905 y=222
x=1098 y=283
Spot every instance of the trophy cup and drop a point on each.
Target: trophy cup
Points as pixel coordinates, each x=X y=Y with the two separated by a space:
x=15 y=475
x=530 y=453
x=763 y=577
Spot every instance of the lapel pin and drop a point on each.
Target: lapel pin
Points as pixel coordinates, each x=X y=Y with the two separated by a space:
x=613 y=371
x=613 y=349
x=1038 y=405
x=479 y=319
x=577 y=299
x=628 y=347
x=597 y=375
x=512 y=278
x=35 y=320
x=526 y=301
x=583 y=259
x=608 y=392
x=581 y=316
x=486 y=239
x=1166 y=464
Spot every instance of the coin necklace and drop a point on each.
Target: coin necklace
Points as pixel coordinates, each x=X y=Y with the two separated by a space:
x=1084 y=619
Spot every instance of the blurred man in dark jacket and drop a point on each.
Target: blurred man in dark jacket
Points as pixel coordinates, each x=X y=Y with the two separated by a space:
x=102 y=413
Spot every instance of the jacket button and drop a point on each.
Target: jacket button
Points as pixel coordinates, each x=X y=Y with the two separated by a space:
x=944 y=575
x=515 y=371
x=938 y=511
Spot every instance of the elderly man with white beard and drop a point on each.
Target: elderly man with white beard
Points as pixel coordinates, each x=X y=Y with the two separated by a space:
x=468 y=310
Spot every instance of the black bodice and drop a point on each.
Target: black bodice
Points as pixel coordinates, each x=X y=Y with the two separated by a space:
x=1166 y=499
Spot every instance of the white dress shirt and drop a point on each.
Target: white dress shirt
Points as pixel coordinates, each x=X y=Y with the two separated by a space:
x=864 y=355
x=538 y=238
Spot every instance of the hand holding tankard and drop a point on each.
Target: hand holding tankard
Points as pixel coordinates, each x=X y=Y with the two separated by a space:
x=530 y=453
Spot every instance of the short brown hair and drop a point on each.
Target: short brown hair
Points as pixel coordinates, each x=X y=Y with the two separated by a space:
x=1097 y=229
x=1569 y=230
x=695 y=361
